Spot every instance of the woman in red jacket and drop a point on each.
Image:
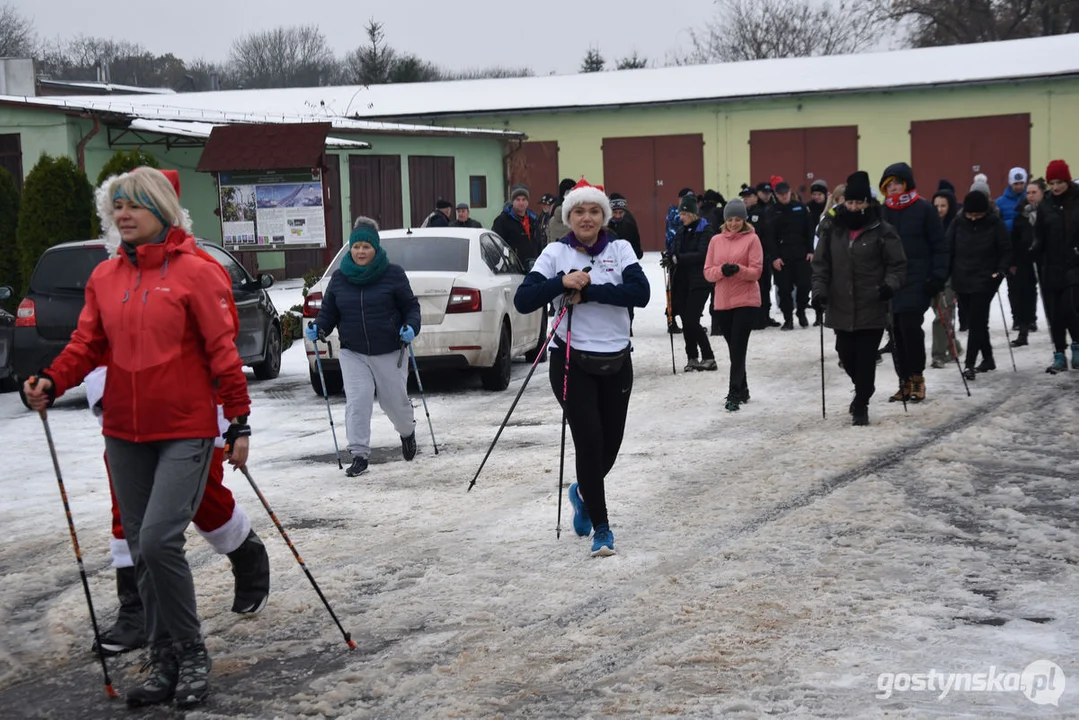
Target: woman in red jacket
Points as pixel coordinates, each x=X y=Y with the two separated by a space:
x=161 y=314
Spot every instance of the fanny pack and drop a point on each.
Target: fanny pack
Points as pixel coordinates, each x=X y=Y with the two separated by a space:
x=596 y=363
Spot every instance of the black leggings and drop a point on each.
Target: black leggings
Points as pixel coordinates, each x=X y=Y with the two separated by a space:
x=736 y=325
x=1023 y=294
x=596 y=407
x=690 y=308
x=1063 y=312
x=978 y=306
x=909 y=342
x=796 y=275
x=858 y=351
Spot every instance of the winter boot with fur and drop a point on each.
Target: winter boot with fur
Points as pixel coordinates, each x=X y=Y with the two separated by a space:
x=129 y=630
x=251 y=569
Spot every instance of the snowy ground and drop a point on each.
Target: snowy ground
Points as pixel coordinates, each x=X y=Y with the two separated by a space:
x=770 y=563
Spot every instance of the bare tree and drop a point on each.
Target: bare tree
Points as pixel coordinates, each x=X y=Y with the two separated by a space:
x=17 y=37
x=632 y=62
x=296 y=56
x=953 y=22
x=760 y=29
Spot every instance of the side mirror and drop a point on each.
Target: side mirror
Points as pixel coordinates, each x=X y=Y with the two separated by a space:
x=6 y=293
x=264 y=281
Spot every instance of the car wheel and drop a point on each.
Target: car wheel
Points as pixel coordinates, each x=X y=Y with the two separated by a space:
x=535 y=352
x=334 y=383
x=270 y=368
x=497 y=377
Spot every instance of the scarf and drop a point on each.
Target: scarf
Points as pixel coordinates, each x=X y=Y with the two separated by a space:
x=898 y=202
x=594 y=249
x=365 y=274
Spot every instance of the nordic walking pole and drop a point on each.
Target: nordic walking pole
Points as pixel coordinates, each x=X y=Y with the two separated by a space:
x=75 y=543
x=531 y=370
x=823 y=407
x=670 y=316
x=326 y=394
x=262 y=499
x=1007 y=335
x=419 y=384
x=562 y=452
x=949 y=330
x=897 y=340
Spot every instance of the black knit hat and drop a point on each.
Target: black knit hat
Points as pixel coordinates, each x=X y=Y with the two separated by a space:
x=819 y=185
x=441 y=204
x=565 y=186
x=688 y=204
x=976 y=202
x=747 y=190
x=858 y=187
x=685 y=191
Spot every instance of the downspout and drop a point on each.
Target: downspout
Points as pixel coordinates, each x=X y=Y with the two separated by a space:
x=80 y=149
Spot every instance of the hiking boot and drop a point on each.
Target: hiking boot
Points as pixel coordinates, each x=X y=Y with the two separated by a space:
x=251 y=570
x=788 y=323
x=987 y=365
x=193 y=684
x=1075 y=356
x=708 y=365
x=129 y=630
x=969 y=373
x=358 y=467
x=917 y=388
x=904 y=392
x=692 y=365
x=859 y=415
x=408 y=446
x=602 y=541
x=582 y=523
x=802 y=320
x=1060 y=364
x=161 y=685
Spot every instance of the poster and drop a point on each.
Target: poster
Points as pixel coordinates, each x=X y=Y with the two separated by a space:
x=272 y=210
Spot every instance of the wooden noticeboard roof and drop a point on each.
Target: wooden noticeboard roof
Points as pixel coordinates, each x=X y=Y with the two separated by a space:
x=279 y=146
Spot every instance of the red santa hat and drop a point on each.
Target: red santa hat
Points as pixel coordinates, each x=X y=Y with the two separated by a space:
x=584 y=192
x=174 y=179
x=1058 y=170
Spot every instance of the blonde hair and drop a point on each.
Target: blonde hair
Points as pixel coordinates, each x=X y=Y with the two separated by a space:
x=143 y=186
x=839 y=191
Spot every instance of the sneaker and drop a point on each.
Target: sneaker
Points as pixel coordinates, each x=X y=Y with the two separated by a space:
x=1060 y=364
x=708 y=365
x=161 y=685
x=408 y=446
x=693 y=364
x=970 y=373
x=582 y=523
x=986 y=366
x=602 y=542
x=129 y=630
x=251 y=570
x=732 y=404
x=358 y=467
x=193 y=683
x=802 y=320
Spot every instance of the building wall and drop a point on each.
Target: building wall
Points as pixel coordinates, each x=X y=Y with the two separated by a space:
x=883 y=119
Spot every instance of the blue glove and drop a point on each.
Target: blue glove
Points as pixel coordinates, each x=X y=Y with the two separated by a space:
x=407 y=334
x=311 y=333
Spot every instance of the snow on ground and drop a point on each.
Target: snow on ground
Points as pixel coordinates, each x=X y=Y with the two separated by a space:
x=770 y=562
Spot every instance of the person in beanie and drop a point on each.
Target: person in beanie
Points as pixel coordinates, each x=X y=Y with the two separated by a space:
x=441 y=215
x=674 y=222
x=557 y=228
x=818 y=201
x=624 y=226
x=1057 y=236
x=370 y=302
x=689 y=289
x=1008 y=206
x=463 y=219
x=597 y=389
x=858 y=267
x=543 y=226
x=1025 y=257
x=926 y=251
x=980 y=258
x=734 y=262
x=517 y=225
x=172 y=358
x=793 y=238
x=760 y=208
x=947 y=208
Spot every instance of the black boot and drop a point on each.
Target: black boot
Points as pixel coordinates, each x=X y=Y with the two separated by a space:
x=251 y=569
x=802 y=321
x=161 y=685
x=1022 y=339
x=129 y=630
x=358 y=467
x=859 y=412
x=193 y=684
x=817 y=321
x=788 y=322
x=408 y=446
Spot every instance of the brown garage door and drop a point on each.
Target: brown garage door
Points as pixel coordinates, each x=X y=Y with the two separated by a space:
x=802 y=155
x=375 y=188
x=650 y=171
x=534 y=165
x=429 y=179
x=959 y=149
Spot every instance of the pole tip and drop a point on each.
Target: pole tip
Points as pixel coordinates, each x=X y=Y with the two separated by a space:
x=351 y=644
x=110 y=691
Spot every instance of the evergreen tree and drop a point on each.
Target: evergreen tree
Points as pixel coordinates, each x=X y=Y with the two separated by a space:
x=593 y=61
x=9 y=220
x=632 y=62
x=122 y=162
x=57 y=206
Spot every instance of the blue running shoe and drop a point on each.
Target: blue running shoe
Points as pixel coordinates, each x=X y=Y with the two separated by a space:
x=582 y=524
x=603 y=542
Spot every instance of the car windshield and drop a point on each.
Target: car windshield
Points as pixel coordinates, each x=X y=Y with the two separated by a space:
x=66 y=270
x=415 y=254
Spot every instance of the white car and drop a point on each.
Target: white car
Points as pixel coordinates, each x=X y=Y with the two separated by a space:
x=465 y=280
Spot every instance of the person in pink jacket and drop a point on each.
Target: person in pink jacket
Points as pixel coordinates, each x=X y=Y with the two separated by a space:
x=734 y=263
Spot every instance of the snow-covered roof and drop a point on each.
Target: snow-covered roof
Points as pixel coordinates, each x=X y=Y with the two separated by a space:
x=104 y=87
x=918 y=68
x=202 y=131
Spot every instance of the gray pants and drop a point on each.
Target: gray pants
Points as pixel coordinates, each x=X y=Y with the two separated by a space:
x=942 y=351
x=364 y=376
x=158 y=487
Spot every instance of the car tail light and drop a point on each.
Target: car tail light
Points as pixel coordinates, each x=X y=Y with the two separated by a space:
x=464 y=300
x=311 y=304
x=25 y=315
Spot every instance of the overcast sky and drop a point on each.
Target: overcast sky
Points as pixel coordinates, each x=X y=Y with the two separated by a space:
x=457 y=34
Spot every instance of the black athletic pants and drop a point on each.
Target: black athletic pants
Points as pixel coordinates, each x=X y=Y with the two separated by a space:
x=691 y=305
x=765 y=314
x=1023 y=295
x=858 y=353
x=596 y=407
x=736 y=326
x=909 y=341
x=795 y=274
x=1063 y=311
x=978 y=306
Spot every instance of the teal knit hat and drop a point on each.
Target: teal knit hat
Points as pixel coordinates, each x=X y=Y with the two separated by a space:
x=365 y=230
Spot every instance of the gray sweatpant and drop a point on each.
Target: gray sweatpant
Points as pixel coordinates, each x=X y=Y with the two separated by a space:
x=158 y=487
x=364 y=376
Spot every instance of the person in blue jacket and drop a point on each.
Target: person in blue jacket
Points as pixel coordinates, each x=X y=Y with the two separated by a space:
x=1022 y=286
x=370 y=302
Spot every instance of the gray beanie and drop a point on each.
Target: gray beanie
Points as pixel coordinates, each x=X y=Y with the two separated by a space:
x=982 y=187
x=734 y=208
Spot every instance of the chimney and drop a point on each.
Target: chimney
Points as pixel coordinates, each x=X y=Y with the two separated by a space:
x=215 y=81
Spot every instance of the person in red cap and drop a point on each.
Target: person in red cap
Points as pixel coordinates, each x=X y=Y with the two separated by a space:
x=1057 y=239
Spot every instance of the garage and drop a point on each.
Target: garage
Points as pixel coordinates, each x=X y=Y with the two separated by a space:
x=534 y=165
x=802 y=155
x=375 y=182
x=430 y=178
x=959 y=148
x=650 y=171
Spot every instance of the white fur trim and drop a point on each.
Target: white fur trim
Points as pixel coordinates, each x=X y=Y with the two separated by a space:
x=121 y=553
x=229 y=536
x=583 y=195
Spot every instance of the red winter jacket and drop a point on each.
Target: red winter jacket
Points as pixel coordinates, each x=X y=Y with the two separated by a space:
x=168 y=332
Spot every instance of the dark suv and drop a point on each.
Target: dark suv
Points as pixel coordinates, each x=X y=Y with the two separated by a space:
x=50 y=311
x=7 y=340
